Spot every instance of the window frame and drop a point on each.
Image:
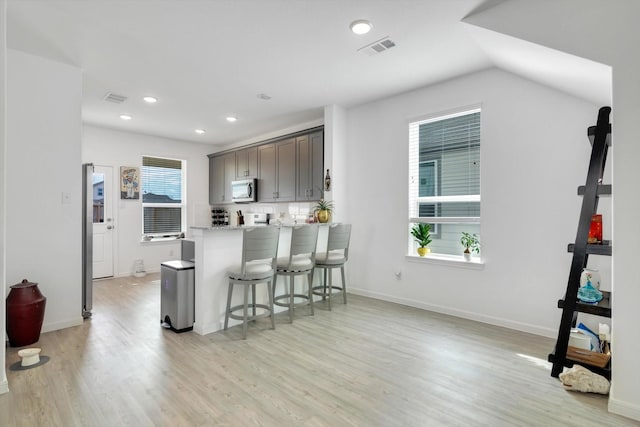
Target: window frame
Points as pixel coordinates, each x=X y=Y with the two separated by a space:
x=414 y=188
x=182 y=205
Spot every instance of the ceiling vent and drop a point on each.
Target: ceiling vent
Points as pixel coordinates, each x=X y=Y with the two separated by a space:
x=113 y=97
x=378 y=46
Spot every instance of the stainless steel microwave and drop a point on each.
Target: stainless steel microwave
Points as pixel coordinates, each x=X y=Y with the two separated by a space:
x=243 y=191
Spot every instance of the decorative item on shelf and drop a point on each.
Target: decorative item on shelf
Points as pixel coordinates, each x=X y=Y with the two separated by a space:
x=595 y=230
x=421 y=234
x=327 y=182
x=25 y=313
x=471 y=243
x=589 y=294
x=591 y=275
x=323 y=210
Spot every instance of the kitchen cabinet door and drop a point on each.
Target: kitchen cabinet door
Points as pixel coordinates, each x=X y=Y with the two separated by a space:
x=222 y=170
x=286 y=156
x=216 y=180
x=247 y=163
x=229 y=175
x=310 y=164
x=267 y=186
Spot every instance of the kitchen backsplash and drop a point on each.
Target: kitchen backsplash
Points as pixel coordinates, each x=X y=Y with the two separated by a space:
x=286 y=213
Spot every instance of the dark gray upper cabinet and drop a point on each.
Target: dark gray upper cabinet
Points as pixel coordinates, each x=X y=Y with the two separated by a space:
x=286 y=156
x=247 y=163
x=216 y=180
x=276 y=171
x=222 y=170
x=288 y=169
x=310 y=163
x=267 y=173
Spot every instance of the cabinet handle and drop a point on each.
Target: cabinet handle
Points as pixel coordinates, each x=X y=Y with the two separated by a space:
x=310 y=192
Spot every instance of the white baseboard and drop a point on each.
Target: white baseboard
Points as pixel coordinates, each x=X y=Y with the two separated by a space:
x=478 y=317
x=624 y=408
x=128 y=273
x=54 y=326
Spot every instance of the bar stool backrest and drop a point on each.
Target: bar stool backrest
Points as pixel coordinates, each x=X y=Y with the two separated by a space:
x=304 y=239
x=339 y=236
x=260 y=243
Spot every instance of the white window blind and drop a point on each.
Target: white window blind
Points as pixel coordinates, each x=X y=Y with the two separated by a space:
x=444 y=178
x=163 y=201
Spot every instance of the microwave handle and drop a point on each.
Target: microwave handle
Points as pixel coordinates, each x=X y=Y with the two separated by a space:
x=249 y=189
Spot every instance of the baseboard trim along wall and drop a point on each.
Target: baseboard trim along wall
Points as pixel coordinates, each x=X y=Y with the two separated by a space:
x=623 y=408
x=54 y=326
x=496 y=321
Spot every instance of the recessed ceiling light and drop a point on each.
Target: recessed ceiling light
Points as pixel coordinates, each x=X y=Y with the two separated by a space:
x=125 y=117
x=150 y=99
x=361 y=26
x=200 y=131
x=231 y=119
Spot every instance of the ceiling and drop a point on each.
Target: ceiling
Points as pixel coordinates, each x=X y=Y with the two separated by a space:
x=208 y=59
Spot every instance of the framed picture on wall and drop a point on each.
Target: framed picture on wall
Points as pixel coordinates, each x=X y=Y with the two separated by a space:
x=129 y=182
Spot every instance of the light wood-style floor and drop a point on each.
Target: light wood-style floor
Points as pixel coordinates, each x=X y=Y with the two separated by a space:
x=368 y=363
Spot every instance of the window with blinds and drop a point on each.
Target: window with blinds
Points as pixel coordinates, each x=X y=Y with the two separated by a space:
x=163 y=204
x=444 y=178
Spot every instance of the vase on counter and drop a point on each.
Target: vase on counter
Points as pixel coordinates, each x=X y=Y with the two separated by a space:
x=25 y=313
x=323 y=216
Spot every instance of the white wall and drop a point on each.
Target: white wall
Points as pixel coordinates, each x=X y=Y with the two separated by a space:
x=43 y=237
x=3 y=165
x=605 y=32
x=109 y=147
x=534 y=154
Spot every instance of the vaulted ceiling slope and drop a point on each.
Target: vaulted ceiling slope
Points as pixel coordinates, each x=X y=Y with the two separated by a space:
x=206 y=60
x=503 y=32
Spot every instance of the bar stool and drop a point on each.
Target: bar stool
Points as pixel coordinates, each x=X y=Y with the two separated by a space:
x=336 y=256
x=301 y=260
x=259 y=254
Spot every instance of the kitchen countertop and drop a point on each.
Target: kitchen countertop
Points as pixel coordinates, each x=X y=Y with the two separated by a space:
x=238 y=227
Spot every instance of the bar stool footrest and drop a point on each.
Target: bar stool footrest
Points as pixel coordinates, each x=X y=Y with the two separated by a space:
x=276 y=300
x=265 y=307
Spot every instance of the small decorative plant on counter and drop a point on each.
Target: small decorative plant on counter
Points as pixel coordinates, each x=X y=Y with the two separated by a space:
x=323 y=210
x=422 y=236
x=471 y=243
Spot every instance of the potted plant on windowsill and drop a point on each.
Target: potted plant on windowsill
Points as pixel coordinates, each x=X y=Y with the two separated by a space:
x=471 y=244
x=421 y=234
x=323 y=210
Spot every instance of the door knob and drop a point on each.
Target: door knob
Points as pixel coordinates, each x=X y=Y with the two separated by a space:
x=109 y=227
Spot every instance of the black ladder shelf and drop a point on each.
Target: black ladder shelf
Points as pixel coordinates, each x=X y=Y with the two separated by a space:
x=600 y=137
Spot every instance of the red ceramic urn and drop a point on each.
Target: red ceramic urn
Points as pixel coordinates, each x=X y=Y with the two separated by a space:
x=25 y=313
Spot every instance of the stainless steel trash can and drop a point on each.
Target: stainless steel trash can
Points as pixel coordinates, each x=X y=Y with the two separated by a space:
x=177 y=299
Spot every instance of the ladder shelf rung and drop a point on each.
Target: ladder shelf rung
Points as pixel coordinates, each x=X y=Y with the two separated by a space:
x=605 y=372
x=595 y=249
x=602 y=308
x=591 y=134
x=603 y=190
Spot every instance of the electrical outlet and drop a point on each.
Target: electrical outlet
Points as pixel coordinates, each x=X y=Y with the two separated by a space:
x=170 y=252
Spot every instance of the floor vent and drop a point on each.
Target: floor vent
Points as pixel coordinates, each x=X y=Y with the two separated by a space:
x=378 y=46
x=113 y=97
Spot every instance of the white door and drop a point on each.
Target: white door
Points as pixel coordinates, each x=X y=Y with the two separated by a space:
x=102 y=222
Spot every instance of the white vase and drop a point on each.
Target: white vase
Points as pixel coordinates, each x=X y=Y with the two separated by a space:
x=467 y=256
x=592 y=275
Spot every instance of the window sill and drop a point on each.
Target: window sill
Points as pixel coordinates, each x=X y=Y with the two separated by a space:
x=160 y=240
x=450 y=260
